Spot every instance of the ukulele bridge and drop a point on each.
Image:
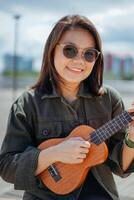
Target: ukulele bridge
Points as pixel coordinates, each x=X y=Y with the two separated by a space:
x=54 y=173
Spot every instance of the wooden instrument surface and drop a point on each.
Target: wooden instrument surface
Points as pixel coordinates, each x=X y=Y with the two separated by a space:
x=73 y=175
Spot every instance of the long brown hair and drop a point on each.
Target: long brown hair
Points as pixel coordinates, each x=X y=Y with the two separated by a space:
x=48 y=72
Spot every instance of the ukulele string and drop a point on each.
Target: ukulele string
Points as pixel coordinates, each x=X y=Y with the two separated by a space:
x=108 y=129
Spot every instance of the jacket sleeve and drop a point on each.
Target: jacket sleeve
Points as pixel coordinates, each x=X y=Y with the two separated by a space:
x=115 y=143
x=19 y=156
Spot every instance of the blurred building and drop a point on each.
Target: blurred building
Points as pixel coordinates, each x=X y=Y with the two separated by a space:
x=118 y=67
x=23 y=63
x=128 y=66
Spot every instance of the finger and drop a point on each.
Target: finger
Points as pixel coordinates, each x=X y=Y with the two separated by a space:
x=80 y=160
x=84 y=150
x=85 y=144
x=82 y=155
x=78 y=138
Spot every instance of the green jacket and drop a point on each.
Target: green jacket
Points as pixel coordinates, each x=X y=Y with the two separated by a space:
x=36 y=117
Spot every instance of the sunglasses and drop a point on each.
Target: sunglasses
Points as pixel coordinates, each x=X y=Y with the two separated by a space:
x=70 y=51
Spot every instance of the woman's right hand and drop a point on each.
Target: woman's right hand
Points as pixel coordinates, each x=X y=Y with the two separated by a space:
x=72 y=151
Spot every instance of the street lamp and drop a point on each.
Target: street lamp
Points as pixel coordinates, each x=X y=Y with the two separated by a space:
x=15 y=55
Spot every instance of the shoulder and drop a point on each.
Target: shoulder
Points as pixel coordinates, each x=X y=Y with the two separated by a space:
x=25 y=100
x=114 y=97
x=26 y=96
x=112 y=93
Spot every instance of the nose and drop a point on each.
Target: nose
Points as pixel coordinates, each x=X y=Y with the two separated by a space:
x=79 y=58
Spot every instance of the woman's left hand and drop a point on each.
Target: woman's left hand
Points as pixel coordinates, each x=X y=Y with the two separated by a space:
x=131 y=131
x=131 y=128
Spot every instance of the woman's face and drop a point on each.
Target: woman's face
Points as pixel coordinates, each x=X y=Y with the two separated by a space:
x=74 y=70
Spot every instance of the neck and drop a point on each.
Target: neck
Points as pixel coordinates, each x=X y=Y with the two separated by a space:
x=69 y=91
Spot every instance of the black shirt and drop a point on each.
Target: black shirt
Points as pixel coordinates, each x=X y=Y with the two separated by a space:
x=91 y=187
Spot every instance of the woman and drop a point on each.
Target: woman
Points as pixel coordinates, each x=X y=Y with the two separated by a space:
x=69 y=93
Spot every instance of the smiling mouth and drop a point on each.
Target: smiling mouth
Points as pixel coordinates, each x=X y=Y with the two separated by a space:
x=74 y=69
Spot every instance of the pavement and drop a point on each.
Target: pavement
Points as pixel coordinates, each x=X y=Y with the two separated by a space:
x=125 y=186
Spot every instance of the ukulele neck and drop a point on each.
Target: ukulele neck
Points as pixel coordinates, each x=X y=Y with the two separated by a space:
x=111 y=127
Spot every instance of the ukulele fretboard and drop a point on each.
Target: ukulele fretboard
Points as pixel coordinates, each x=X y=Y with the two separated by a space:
x=111 y=127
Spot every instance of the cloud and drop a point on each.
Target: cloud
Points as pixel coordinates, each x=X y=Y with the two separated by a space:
x=113 y=19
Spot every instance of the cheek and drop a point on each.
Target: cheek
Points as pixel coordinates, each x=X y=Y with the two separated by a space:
x=90 y=67
x=59 y=62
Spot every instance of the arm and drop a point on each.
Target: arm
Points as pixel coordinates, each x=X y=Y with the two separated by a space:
x=19 y=156
x=128 y=153
x=119 y=163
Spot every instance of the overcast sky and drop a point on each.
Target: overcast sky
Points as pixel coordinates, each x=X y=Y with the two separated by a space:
x=114 y=20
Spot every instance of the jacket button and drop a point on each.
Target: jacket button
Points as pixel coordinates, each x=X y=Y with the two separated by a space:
x=45 y=132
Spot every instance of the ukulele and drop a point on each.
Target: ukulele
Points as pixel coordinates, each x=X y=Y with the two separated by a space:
x=63 y=178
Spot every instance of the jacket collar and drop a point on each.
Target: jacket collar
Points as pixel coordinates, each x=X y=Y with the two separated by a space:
x=53 y=94
x=83 y=92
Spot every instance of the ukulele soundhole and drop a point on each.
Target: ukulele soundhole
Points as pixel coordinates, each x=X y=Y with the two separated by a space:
x=54 y=173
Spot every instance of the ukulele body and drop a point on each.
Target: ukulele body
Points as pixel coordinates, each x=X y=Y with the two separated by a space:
x=64 y=178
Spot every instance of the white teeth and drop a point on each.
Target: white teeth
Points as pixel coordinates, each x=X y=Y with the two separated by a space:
x=76 y=69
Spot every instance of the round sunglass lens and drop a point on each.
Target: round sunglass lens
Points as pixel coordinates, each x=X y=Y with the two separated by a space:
x=69 y=51
x=90 y=55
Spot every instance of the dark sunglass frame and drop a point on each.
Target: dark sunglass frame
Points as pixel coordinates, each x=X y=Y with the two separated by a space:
x=83 y=54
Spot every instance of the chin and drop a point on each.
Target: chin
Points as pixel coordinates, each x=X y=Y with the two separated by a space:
x=73 y=81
